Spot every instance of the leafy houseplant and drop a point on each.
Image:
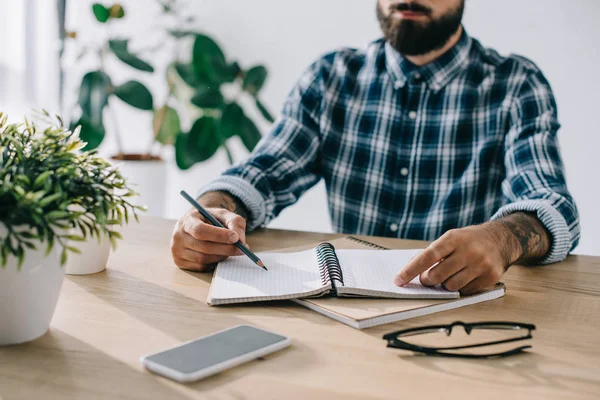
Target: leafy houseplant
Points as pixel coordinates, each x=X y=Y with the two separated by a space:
x=52 y=195
x=194 y=84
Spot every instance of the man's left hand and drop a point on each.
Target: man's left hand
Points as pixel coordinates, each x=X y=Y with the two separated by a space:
x=469 y=259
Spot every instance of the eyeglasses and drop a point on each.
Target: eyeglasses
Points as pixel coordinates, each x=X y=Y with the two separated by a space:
x=494 y=329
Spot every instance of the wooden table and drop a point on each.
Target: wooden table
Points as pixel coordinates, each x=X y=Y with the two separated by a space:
x=142 y=303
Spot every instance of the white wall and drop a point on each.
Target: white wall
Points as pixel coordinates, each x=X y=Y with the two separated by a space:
x=559 y=35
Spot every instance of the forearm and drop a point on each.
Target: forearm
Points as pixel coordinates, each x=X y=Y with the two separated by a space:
x=527 y=240
x=224 y=200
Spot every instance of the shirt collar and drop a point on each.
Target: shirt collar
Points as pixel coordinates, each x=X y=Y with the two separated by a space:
x=437 y=73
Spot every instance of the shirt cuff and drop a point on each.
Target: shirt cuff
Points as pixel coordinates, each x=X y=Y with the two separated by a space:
x=553 y=220
x=245 y=192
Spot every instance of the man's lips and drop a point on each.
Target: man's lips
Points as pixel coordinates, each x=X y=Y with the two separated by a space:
x=410 y=14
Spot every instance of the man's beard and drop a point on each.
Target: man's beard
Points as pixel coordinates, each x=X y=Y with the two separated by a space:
x=414 y=38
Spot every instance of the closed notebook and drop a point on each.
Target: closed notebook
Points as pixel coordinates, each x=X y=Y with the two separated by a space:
x=320 y=271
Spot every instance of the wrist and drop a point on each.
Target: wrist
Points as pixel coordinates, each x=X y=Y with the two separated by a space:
x=510 y=246
x=529 y=240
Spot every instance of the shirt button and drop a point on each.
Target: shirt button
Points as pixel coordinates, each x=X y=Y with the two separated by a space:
x=412 y=115
x=394 y=227
x=417 y=76
x=404 y=171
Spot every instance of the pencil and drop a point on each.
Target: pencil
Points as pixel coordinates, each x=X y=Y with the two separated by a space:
x=215 y=222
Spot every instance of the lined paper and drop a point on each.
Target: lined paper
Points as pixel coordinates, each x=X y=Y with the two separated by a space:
x=290 y=275
x=373 y=272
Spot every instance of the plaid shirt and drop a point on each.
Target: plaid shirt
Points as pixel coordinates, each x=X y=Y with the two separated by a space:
x=411 y=152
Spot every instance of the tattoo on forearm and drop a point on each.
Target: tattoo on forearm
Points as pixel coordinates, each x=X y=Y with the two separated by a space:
x=531 y=235
x=226 y=201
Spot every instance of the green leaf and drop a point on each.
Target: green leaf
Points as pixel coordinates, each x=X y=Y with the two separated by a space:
x=249 y=134
x=204 y=139
x=4 y=254
x=183 y=156
x=93 y=95
x=63 y=256
x=49 y=199
x=208 y=97
x=186 y=72
x=255 y=79
x=100 y=12
x=232 y=120
x=50 y=244
x=207 y=59
x=119 y=48
x=41 y=179
x=199 y=144
x=263 y=110
x=232 y=71
x=57 y=215
x=135 y=94
x=75 y=238
x=20 y=256
x=116 y=11
x=166 y=125
x=90 y=133
x=73 y=249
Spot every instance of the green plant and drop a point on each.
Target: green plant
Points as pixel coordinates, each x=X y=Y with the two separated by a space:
x=51 y=192
x=194 y=84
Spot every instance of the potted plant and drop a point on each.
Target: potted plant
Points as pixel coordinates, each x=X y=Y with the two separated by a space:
x=52 y=197
x=195 y=83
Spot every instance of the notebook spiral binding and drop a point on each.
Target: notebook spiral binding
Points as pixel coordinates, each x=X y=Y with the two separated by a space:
x=366 y=243
x=329 y=265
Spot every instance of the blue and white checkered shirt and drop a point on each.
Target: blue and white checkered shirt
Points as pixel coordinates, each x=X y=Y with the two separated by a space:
x=411 y=152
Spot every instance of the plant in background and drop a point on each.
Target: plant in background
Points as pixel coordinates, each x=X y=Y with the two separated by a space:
x=195 y=87
x=51 y=193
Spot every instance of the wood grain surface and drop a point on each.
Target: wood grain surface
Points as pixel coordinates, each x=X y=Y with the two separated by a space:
x=142 y=303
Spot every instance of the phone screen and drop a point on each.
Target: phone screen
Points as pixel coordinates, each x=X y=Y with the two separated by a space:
x=214 y=349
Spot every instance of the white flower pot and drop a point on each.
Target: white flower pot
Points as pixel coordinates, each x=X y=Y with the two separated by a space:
x=28 y=295
x=149 y=179
x=93 y=257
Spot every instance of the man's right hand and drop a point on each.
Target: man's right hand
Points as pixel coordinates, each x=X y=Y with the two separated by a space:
x=197 y=245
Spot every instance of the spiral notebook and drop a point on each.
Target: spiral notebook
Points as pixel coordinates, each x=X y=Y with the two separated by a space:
x=364 y=312
x=320 y=271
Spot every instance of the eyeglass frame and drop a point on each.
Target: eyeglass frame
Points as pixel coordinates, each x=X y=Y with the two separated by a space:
x=394 y=342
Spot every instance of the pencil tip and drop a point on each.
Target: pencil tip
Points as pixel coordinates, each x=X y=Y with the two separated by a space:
x=262 y=265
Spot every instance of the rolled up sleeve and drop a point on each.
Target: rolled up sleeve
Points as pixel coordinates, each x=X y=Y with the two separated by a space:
x=535 y=177
x=285 y=163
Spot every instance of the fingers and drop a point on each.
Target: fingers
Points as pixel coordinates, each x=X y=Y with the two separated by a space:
x=232 y=221
x=206 y=247
x=438 y=250
x=200 y=258
x=190 y=266
x=200 y=230
x=444 y=270
x=461 y=279
x=197 y=245
x=476 y=286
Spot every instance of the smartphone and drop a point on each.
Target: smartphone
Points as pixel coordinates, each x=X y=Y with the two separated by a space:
x=209 y=355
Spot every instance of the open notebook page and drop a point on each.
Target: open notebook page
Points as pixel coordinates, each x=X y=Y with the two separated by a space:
x=290 y=275
x=374 y=271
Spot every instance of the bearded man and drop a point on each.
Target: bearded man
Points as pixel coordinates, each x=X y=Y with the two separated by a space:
x=425 y=134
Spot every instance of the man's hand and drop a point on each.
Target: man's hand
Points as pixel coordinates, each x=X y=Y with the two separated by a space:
x=197 y=245
x=474 y=258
